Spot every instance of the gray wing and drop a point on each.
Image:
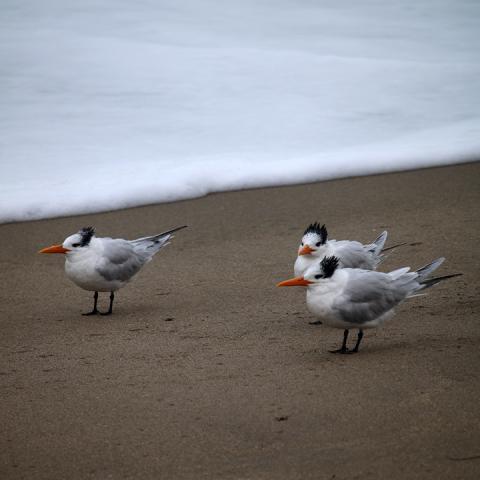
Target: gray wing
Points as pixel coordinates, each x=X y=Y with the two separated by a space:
x=119 y=261
x=369 y=295
x=353 y=255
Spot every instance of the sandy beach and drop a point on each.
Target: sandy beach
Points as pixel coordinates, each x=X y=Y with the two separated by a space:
x=206 y=370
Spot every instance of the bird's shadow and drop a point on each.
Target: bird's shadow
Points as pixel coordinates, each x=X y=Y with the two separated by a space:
x=382 y=348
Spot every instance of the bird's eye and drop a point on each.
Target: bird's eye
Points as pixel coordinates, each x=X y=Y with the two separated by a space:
x=302 y=244
x=318 y=244
x=318 y=276
x=75 y=244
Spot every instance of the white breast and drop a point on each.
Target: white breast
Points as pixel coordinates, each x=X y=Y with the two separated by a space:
x=302 y=263
x=80 y=269
x=322 y=296
x=320 y=299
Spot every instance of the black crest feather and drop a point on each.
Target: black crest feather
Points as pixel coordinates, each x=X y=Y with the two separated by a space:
x=321 y=231
x=329 y=265
x=86 y=233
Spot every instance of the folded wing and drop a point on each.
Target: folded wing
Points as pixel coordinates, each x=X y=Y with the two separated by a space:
x=368 y=295
x=119 y=261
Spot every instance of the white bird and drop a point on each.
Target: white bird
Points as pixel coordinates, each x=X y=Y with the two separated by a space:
x=315 y=245
x=349 y=298
x=106 y=264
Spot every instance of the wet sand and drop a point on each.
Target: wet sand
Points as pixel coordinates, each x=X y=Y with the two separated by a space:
x=206 y=370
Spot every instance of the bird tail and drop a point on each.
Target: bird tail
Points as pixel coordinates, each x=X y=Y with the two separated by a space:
x=377 y=245
x=428 y=269
x=375 y=248
x=433 y=281
x=153 y=244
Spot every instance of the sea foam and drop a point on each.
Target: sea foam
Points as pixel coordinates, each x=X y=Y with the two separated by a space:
x=111 y=104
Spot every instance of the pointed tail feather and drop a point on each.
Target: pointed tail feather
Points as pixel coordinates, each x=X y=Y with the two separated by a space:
x=169 y=232
x=393 y=246
x=378 y=243
x=157 y=238
x=149 y=246
x=430 y=268
x=433 y=281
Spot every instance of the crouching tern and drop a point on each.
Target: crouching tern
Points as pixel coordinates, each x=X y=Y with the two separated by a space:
x=106 y=264
x=349 y=298
x=315 y=245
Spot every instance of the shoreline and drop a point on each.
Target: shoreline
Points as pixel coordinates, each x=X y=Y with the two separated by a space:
x=466 y=161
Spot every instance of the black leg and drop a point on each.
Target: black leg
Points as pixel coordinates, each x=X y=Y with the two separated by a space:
x=343 y=348
x=94 y=311
x=359 y=339
x=110 y=309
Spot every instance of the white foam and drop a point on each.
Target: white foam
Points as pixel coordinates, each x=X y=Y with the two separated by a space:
x=112 y=104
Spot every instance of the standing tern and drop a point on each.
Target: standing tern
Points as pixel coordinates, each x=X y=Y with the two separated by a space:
x=354 y=298
x=315 y=245
x=106 y=264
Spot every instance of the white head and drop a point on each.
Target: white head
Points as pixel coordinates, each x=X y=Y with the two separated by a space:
x=313 y=238
x=315 y=274
x=74 y=243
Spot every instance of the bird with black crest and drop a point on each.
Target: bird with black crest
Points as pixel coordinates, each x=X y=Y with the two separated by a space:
x=353 y=298
x=103 y=264
x=316 y=245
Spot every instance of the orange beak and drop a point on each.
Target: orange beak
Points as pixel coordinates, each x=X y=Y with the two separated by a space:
x=294 y=282
x=306 y=250
x=54 y=249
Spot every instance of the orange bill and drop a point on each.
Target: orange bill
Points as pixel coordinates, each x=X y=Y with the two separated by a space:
x=306 y=250
x=54 y=249
x=294 y=282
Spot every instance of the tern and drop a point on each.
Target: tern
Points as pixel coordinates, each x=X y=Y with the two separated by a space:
x=315 y=245
x=352 y=298
x=106 y=264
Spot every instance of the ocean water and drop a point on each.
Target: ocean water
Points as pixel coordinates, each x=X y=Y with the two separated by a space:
x=107 y=104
